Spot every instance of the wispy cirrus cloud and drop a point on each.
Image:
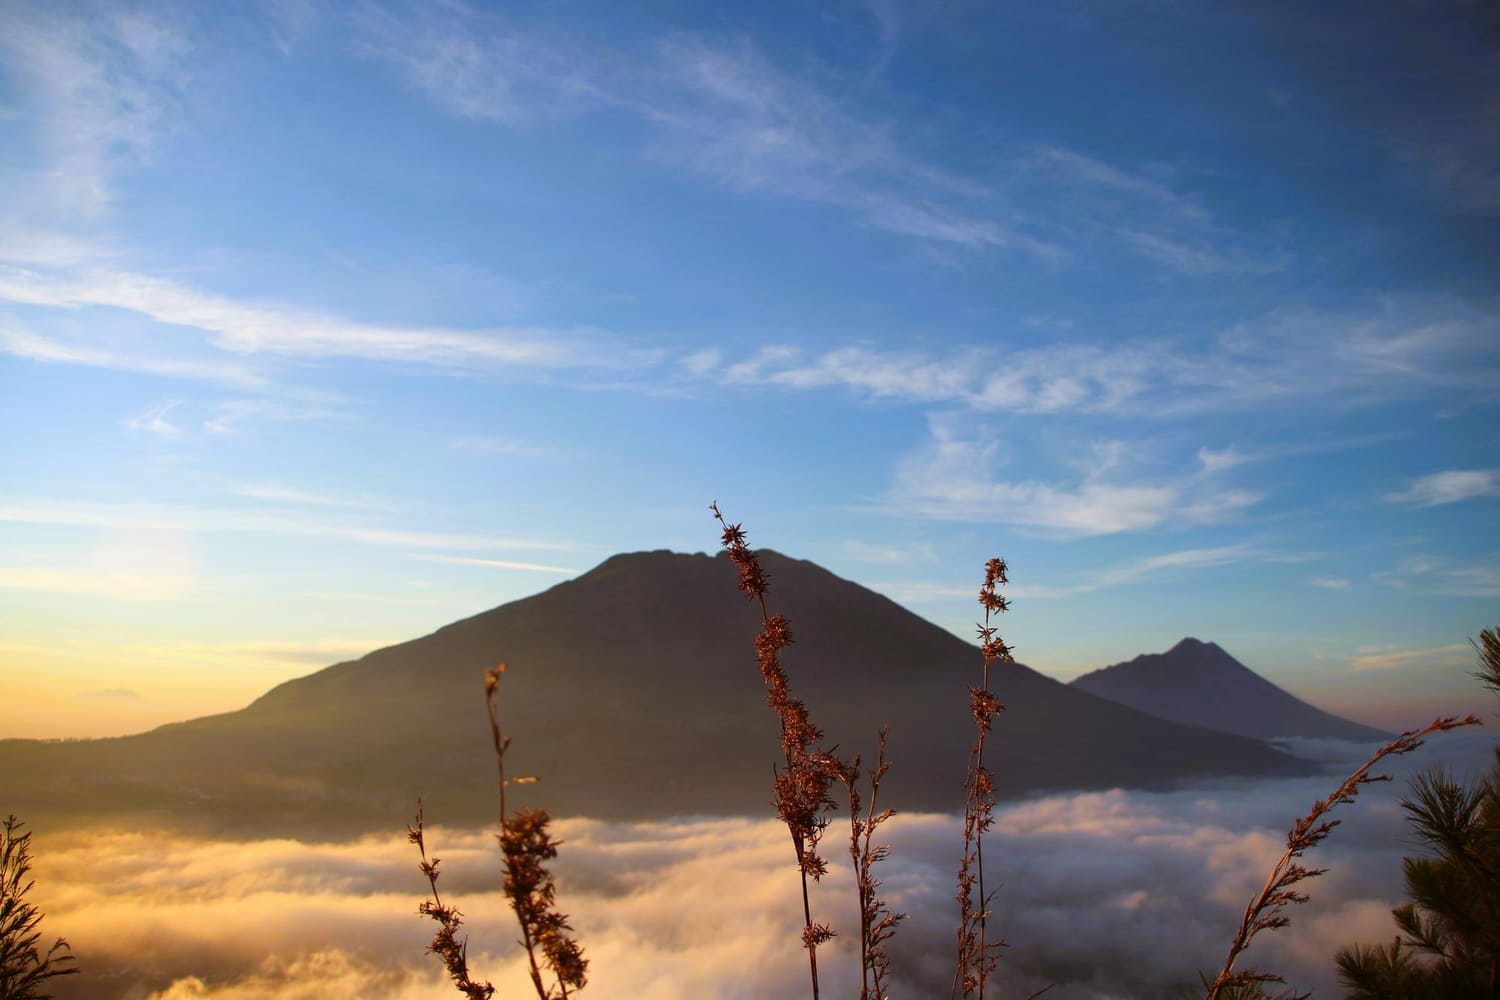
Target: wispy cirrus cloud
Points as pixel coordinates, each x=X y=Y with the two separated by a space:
x=249 y=329
x=887 y=554
x=1387 y=658
x=1405 y=351
x=718 y=109
x=1199 y=257
x=282 y=404
x=527 y=567
x=1303 y=358
x=208 y=520
x=506 y=446
x=129 y=585
x=723 y=110
x=256 y=653
x=1218 y=460
x=107 y=83
x=1168 y=563
x=280 y=493
x=1141 y=214
x=153 y=420
x=955 y=476
x=1086 y=174
x=1078 y=510
x=1165 y=565
x=1451 y=486
x=142 y=563
x=114 y=694
x=1439 y=577
x=22 y=343
x=1396 y=355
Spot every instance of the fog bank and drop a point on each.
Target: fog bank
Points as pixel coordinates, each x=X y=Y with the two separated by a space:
x=1111 y=894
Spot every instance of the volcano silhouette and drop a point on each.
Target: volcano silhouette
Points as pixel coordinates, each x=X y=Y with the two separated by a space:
x=633 y=692
x=1198 y=682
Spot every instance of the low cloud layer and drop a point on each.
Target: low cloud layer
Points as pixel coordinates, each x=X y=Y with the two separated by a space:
x=1111 y=894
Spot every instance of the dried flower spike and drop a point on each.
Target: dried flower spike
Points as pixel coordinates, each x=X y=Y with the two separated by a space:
x=526 y=845
x=1264 y=911
x=802 y=787
x=976 y=952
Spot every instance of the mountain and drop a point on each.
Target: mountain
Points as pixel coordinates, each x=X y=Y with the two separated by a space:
x=633 y=692
x=1197 y=683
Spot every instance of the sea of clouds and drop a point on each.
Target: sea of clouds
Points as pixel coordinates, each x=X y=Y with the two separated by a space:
x=1108 y=894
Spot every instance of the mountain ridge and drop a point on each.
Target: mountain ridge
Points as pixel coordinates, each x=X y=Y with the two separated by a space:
x=1201 y=682
x=634 y=693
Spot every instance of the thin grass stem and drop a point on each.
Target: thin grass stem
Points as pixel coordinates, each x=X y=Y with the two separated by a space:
x=1264 y=911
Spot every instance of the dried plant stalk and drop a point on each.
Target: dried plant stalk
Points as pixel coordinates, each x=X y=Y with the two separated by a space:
x=802 y=787
x=877 y=921
x=527 y=845
x=977 y=956
x=446 y=944
x=1264 y=911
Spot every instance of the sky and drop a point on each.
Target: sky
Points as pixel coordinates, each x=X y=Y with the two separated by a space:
x=324 y=325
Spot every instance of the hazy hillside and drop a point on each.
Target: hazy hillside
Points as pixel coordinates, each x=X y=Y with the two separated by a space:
x=633 y=693
x=1198 y=682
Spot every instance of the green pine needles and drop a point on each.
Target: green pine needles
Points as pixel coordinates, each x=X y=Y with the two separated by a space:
x=24 y=966
x=1448 y=941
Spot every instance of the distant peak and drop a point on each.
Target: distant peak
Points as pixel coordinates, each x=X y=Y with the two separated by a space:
x=1190 y=644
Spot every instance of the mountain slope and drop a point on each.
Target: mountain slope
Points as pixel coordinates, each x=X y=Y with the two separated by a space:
x=1197 y=683
x=634 y=693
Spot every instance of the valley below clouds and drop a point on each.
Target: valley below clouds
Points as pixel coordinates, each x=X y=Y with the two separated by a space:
x=1105 y=894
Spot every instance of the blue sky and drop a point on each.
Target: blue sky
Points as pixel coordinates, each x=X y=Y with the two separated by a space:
x=324 y=325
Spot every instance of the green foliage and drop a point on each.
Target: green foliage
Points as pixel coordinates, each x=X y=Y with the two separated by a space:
x=24 y=967
x=1449 y=941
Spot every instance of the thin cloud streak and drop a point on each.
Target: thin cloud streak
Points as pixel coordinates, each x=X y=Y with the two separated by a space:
x=1383 y=659
x=286 y=405
x=723 y=110
x=1167 y=564
x=251 y=329
x=1427 y=575
x=110 y=87
x=281 y=653
x=954 y=478
x=1451 y=486
x=208 y=520
x=501 y=564
x=505 y=446
x=893 y=554
x=720 y=110
x=278 y=493
x=153 y=420
x=25 y=344
x=1273 y=359
x=1249 y=365
x=113 y=585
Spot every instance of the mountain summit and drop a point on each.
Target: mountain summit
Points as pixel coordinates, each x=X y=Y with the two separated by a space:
x=633 y=692
x=1197 y=683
